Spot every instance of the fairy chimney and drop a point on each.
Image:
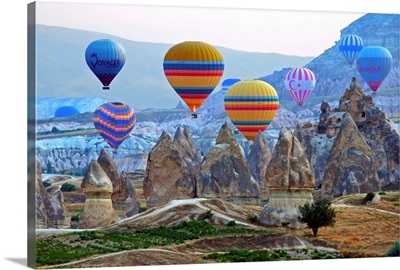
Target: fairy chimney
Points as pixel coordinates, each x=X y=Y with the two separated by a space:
x=98 y=210
x=290 y=182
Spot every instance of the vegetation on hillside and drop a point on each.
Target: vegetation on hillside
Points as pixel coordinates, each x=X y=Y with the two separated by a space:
x=68 y=247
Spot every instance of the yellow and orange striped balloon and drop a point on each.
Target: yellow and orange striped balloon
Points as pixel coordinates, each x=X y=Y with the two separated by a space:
x=251 y=105
x=193 y=69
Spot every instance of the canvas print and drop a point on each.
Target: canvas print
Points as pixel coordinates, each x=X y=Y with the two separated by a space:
x=162 y=135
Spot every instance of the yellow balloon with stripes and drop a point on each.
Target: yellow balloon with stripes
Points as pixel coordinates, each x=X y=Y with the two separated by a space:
x=251 y=105
x=193 y=69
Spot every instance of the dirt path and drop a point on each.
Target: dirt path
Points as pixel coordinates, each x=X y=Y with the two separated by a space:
x=139 y=257
x=342 y=204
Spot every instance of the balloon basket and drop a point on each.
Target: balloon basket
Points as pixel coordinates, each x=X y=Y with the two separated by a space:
x=194 y=115
x=106 y=88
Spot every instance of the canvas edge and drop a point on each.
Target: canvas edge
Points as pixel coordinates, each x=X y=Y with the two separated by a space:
x=31 y=117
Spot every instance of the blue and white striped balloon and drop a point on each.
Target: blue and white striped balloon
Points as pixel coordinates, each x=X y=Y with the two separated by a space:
x=350 y=46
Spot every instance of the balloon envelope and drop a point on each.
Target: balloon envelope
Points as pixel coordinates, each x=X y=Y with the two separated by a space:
x=114 y=121
x=251 y=106
x=65 y=111
x=193 y=69
x=300 y=82
x=350 y=46
x=228 y=83
x=105 y=59
x=374 y=64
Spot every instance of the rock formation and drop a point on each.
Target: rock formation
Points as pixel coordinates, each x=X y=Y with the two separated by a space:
x=379 y=132
x=132 y=205
x=50 y=210
x=257 y=161
x=97 y=186
x=185 y=145
x=350 y=168
x=224 y=173
x=290 y=182
x=124 y=196
x=167 y=174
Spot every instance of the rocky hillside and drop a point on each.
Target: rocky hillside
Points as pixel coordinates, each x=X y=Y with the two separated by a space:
x=141 y=83
x=332 y=71
x=353 y=148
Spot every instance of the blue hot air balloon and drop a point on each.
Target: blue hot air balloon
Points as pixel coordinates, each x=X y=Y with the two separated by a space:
x=65 y=111
x=374 y=64
x=228 y=83
x=350 y=46
x=114 y=121
x=105 y=58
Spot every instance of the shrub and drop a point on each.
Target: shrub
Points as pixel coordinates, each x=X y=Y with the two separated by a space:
x=206 y=215
x=394 y=250
x=231 y=223
x=55 y=130
x=75 y=218
x=317 y=214
x=381 y=192
x=67 y=187
x=285 y=224
x=253 y=219
x=46 y=184
x=369 y=197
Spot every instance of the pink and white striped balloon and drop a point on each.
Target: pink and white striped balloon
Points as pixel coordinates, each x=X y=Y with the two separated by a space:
x=300 y=82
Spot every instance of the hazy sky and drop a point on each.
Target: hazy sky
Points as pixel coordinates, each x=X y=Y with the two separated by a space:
x=291 y=32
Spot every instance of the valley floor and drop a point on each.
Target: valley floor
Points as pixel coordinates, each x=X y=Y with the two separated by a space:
x=360 y=231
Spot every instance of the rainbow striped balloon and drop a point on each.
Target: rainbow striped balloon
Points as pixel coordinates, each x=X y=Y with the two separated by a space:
x=114 y=121
x=300 y=82
x=193 y=69
x=251 y=105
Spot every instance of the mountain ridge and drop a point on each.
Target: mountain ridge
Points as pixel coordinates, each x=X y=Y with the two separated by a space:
x=63 y=72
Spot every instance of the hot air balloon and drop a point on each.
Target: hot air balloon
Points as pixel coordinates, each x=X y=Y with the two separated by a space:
x=65 y=111
x=350 y=46
x=105 y=58
x=114 y=121
x=300 y=82
x=193 y=69
x=251 y=105
x=228 y=83
x=374 y=64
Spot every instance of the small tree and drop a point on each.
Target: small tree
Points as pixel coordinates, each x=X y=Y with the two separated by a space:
x=285 y=224
x=206 y=215
x=317 y=214
x=67 y=187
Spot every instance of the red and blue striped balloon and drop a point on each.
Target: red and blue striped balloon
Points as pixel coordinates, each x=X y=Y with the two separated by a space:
x=251 y=105
x=114 y=121
x=374 y=64
x=350 y=46
x=105 y=59
x=193 y=69
x=300 y=82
